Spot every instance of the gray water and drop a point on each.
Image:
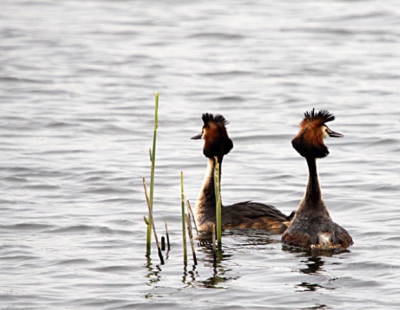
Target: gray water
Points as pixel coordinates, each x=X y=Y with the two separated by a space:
x=77 y=85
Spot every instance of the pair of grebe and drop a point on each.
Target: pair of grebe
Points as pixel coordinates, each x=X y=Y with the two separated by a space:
x=310 y=226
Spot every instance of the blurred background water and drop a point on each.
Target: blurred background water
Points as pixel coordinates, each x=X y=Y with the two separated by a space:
x=77 y=85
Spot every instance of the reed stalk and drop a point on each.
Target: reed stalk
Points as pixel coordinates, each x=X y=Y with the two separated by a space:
x=153 y=162
x=218 y=203
x=183 y=222
x=162 y=243
x=151 y=222
x=214 y=250
x=189 y=228
x=191 y=212
x=167 y=234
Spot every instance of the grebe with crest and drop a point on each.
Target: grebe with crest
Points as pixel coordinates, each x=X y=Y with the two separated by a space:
x=312 y=227
x=243 y=215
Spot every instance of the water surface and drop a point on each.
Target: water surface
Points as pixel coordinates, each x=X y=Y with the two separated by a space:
x=77 y=84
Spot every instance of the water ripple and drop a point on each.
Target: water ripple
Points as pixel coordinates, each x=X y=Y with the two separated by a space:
x=76 y=126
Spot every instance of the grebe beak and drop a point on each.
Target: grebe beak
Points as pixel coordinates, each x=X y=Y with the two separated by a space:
x=334 y=134
x=197 y=137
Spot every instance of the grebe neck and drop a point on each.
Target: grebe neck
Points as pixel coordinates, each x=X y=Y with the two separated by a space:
x=313 y=196
x=205 y=205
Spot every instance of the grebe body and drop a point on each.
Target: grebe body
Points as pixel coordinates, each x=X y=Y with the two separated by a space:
x=243 y=215
x=312 y=226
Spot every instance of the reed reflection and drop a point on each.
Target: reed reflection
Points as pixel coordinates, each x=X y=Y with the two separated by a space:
x=215 y=261
x=189 y=277
x=154 y=272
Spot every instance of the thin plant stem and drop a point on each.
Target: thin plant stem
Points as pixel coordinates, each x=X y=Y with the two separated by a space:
x=191 y=212
x=218 y=203
x=162 y=243
x=189 y=228
x=167 y=234
x=183 y=221
x=153 y=162
x=151 y=222
x=214 y=250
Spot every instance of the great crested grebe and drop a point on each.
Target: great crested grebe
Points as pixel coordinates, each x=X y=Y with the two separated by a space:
x=243 y=215
x=312 y=226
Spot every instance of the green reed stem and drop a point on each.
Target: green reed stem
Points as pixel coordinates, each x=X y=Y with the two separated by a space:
x=218 y=203
x=183 y=221
x=153 y=162
x=214 y=249
x=151 y=221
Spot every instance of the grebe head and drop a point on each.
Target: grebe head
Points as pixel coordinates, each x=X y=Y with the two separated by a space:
x=216 y=139
x=309 y=142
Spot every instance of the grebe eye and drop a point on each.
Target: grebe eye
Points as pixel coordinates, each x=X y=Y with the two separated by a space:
x=325 y=132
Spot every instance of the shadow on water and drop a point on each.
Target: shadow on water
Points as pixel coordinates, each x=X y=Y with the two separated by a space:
x=214 y=261
x=215 y=264
x=217 y=260
x=249 y=237
x=190 y=275
x=312 y=264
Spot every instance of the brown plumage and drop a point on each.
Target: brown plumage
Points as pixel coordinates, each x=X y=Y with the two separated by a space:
x=312 y=227
x=243 y=215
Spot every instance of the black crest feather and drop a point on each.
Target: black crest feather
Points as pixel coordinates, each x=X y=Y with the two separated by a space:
x=324 y=116
x=218 y=118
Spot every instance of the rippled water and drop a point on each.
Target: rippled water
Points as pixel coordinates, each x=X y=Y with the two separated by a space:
x=76 y=120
